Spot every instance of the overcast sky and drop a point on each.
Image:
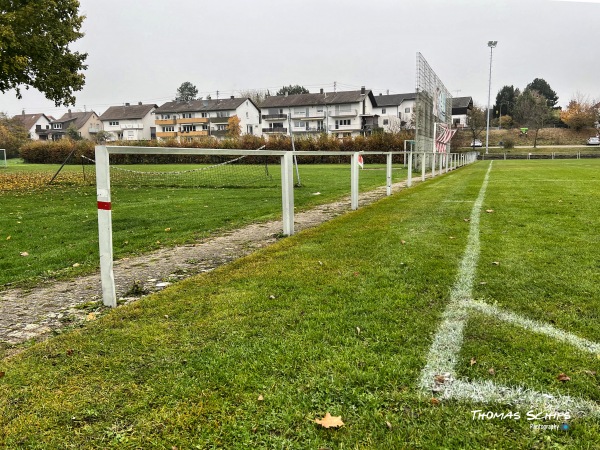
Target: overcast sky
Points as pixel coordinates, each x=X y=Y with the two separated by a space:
x=142 y=50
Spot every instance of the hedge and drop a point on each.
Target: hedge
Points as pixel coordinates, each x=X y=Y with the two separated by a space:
x=56 y=152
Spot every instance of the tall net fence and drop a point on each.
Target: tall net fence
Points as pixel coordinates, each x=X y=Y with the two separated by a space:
x=433 y=105
x=221 y=171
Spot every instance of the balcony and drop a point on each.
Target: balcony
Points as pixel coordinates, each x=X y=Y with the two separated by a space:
x=165 y=121
x=219 y=119
x=132 y=126
x=166 y=134
x=93 y=130
x=193 y=133
x=348 y=113
x=219 y=133
x=309 y=130
x=274 y=116
x=193 y=120
x=344 y=128
x=275 y=130
x=310 y=116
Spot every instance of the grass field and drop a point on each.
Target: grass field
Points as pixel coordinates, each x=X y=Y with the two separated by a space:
x=343 y=319
x=57 y=225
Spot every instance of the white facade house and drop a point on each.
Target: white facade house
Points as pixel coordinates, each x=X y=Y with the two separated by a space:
x=344 y=114
x=195 y=118
x=37 y=125
x=87 y=124
x=396 y=111
x=130 y=122
x=460 y=110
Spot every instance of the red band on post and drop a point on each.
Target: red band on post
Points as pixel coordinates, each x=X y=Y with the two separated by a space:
x=104 y=205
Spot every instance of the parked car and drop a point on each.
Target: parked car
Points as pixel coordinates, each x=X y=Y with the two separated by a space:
x=594 y=140
x=476 y=143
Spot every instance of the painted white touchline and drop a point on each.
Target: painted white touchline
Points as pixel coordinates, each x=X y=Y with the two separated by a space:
x=447 y=343
x=532 y=325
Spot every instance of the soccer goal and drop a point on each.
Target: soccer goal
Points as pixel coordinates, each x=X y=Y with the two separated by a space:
x=3 y=162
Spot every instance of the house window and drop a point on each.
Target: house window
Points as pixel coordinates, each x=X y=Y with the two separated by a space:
x=171 y=128
x=345 y=108
x=221 y=127
x=186 y=116
x=319 y=125
x=385 y=121
x=222 y=113
x=407 y=110
x=204 y=114
x=57 y=126
x=382 y=110
x=165 y=116
x=188 y=128
x=113 y=123
x=297 y=124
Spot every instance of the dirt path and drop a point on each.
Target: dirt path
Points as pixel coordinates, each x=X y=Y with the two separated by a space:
x=49 y=308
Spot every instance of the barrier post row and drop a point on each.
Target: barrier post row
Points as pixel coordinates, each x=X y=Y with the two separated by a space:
x=389 y=174
x=354 y=181
x=410 y=166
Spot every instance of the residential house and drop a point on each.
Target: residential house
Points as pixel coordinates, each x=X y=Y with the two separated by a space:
x=88 y=124
x=346 y=113
x=460 y=110
x=37 y=125
x=205 y=117
x=130 y=122
x=395 y=111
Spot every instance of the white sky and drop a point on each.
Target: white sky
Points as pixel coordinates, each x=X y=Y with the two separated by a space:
x=142 y=50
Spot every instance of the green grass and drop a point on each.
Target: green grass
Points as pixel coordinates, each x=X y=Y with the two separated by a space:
x=337 y=319
x=57 y=225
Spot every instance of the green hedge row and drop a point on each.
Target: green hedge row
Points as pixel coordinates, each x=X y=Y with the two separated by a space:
x=57 y=152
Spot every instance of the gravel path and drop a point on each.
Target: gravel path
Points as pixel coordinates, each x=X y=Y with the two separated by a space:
x=49 y=308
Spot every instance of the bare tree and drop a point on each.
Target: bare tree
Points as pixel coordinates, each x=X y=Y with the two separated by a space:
x=257 y=96
x=476 y=122
x=532 y=110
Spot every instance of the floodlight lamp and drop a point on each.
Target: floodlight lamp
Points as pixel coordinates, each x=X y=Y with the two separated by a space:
x=492 y=44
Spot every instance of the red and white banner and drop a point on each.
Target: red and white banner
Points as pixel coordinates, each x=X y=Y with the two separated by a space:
x=443 y=138
x=361 y=162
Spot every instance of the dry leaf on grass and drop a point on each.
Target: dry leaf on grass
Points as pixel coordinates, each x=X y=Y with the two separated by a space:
x=389 y=425
x=24 y=254
x=492 y=371
x=562 y=377
x=434 y=401
x=1 y=374
x=260 y=398
x=495 y=263
x=440 y=379
x=330 y=421
x=473 y=361
x=489 y=211
x=90 y=317
x=403 y=242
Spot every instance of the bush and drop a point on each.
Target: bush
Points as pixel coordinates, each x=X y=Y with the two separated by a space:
x=508 y=142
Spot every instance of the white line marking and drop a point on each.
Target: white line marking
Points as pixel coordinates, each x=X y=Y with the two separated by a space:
x=439 y=374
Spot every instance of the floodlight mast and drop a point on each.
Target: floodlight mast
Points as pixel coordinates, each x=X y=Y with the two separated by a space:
x=491 y=45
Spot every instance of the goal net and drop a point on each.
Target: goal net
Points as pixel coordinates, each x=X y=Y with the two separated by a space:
x=205 y=171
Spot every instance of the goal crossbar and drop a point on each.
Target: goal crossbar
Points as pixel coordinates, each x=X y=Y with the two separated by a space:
x=104 y=202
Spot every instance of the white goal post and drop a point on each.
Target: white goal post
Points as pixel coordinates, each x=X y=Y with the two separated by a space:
x=104 y=203
x=3 y=162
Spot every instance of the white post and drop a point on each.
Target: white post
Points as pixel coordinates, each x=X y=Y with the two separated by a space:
x=109 y=296
x=389 y=174
x=410 y=166
x=433 y=164
x=354 y=181
x=441 y=165
x=287 y=193
x=4 y=153
x=423 y=167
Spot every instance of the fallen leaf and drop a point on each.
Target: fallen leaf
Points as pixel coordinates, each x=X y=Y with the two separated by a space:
x=434 y=401
x=492 y=371
x=24 y=254
x=389 y=425
x=167 y=229
x=467 y=220
x=440 y=378
x=562 y=377
x=330 y=421
x=452 y=237
x=70 y=352
x=403 y=242
x=590 y=372
x=260 y=398
x=357 y=330
x=76 y=265
x=90 y=317
x=489 y=211
x=495 y=263
x=8 y=238
x=473 y=361
x=272 y=297
x=483 y=282
x=1 y=374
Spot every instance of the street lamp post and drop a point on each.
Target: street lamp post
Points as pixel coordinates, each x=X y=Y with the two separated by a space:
x=491 y=45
